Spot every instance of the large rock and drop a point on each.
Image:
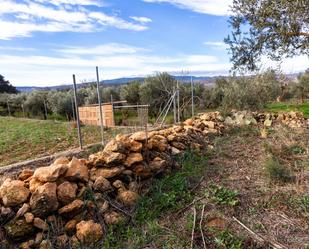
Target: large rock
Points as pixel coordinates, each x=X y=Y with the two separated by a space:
x=113 y=218
x=19 y=229
x=115 y=146
x=13 y=192
x=142 y=171
x=72 y=209
x=112 y=158
x=127 y=197
x=157 y=142
x=101 y=184
x=34 y=184
x=25 y=174
x=136 y=146
x=89 y=232
x=158 y=164
x=77 y=171
x=133 y=158
x=44 y=200
x=41 y=224
x=139 y=136
x=66 y=192
x=50 y=173
x=106 y=173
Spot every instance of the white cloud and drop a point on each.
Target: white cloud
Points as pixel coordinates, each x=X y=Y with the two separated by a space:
x=23 y=18
x=217 y=45
x=116 y=60
x=212 y=7
x=103 y=49
x=141 y=19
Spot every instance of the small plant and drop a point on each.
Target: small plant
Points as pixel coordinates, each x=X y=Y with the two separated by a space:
x=226 y=240
x=277 y=171
x=303 y=202
x=223 y=196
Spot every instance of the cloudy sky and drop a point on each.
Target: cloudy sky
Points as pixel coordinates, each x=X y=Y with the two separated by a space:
x=43 y=42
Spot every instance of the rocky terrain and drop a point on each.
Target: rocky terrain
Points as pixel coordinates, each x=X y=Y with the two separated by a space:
x=85 y=196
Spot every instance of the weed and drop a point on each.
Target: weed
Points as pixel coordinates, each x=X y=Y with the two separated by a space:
x=226 y=240
x=303 y=203
x=223 y=196
x=277 y=171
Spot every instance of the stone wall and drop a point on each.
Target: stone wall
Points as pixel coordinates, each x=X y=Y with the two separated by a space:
x=82 y=196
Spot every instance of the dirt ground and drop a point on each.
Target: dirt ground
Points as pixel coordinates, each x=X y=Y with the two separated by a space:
x=263 y=211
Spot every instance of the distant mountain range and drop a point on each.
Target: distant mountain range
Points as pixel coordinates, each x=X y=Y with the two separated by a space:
x=118 y=81
x=209 y=80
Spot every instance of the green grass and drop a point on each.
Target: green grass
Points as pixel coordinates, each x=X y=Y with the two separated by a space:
x=277 y=171
x=277 y=107
x=222 y=195
x=168 y=194
x=22 y=139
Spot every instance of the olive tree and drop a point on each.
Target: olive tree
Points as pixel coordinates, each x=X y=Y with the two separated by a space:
x=276 y=29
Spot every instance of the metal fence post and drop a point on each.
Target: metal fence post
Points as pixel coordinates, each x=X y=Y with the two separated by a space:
x=8 y=105
x=77 y=114
x=100 y=106
x=192 y=96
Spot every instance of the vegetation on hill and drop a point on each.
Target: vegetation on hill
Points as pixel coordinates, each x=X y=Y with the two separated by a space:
x=5 y=86
x=250 y=92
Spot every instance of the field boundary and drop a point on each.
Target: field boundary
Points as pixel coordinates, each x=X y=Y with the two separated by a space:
x=43 y=161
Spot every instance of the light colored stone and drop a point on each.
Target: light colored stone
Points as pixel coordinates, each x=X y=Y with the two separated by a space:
x=133 y=158
x=25 y=174
x=29 y=217
x=44 y=200
x=13 y=192
x=139 y=136
x=101 y=184
x=127 y=197
x=25 y=208
x=34 y=184
x=70 y=227
x=104 y=172
x=136 y=146
x=77 y=171
x=113 y=218
x=89 y=232
x=61 y=160
x=50 y=173
x=71 y=209
x=157 y=164
x=112 y=158
x=114 y=146
x=66 y=192
x=41 y=224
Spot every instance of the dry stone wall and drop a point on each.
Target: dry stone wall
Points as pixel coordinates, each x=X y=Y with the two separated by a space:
x=82 y=196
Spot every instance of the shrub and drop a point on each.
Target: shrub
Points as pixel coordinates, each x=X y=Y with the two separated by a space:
x=276 y=170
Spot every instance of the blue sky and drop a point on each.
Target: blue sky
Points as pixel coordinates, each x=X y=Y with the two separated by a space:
x=43 y=42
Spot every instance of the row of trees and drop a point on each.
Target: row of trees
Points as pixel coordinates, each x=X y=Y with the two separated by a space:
x=247 y=92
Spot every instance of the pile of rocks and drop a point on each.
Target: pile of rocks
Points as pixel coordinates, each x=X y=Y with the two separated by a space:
x=68 y=203
x=291 y=119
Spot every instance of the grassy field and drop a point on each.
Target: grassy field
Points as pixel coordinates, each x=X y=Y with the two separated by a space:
x=277 y=107
x=22 y=139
